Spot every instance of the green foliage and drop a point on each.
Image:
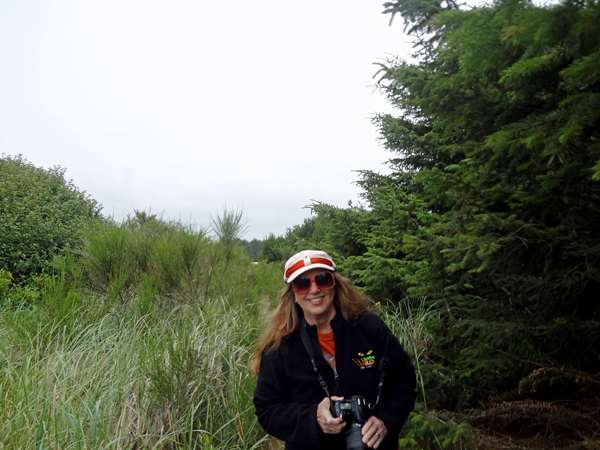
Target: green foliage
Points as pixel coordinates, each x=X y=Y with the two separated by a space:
x=116 y=254
x=430 y=430
x=201 y=379
x=41 y=214
x=492 y=209
x=253 y=248
x=489 y=216
x=148 y=260
x=334 y=230
x=5 y=281
x=24 y=293
x=229 y=227
x=275 y=249
x=61 y=294
x=114 y=352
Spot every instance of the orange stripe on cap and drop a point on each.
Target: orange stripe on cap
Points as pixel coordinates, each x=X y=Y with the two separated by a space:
x=302 y=263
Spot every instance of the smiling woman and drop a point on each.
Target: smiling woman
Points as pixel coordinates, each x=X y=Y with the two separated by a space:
x=316 y=301
x=309 y=401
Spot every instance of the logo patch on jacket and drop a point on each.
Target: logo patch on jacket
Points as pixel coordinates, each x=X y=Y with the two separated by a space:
x=365 y=361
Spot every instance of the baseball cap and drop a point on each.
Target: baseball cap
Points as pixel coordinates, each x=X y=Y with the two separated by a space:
x=304 y=261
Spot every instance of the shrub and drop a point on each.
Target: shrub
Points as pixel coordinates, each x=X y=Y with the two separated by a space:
x=41 y=214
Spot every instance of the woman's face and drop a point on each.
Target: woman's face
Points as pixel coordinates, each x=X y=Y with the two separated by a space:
x=317 y=303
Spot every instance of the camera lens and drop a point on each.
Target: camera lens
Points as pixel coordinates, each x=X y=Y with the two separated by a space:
x=354 y=437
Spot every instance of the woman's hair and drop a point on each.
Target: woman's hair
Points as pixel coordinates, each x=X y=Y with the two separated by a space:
x=348 y=300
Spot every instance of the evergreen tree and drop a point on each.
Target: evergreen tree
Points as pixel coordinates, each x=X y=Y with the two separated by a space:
x=490 y=215
x=493 y=207
x=252 y=247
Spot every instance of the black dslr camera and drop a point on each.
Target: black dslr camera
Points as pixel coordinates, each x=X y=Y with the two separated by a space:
x=355 y=413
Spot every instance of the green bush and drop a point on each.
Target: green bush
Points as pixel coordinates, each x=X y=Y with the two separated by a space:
x=141 y=255
x=41 y=214
x=5 y=281
x=150 y=261
x=430 y=430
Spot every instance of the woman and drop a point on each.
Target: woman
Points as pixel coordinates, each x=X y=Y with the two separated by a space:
x=348 y=342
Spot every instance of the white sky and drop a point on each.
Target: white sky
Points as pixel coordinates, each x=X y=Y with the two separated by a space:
x=185 y=106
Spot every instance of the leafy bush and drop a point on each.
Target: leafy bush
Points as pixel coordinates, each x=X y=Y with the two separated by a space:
x=147 y=260
x=430 y=430
x=5 y=281
x=41 y=214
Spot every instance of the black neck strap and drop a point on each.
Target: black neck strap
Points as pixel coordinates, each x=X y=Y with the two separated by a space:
x=309 y=349
x=384 y=364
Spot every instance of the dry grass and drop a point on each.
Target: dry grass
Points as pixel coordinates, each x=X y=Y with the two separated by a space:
x=554 y=408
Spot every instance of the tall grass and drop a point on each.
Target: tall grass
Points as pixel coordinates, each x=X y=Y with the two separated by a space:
x=121 y=348
x=128 y=381
x=141 y=340
x=426 y=428
x=408 y=323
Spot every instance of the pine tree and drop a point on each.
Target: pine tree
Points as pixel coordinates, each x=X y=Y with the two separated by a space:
x=493 y=208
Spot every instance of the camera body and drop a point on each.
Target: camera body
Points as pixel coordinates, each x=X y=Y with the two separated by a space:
x=355 y=412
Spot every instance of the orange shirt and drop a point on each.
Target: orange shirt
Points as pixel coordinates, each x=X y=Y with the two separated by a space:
x=328 y=345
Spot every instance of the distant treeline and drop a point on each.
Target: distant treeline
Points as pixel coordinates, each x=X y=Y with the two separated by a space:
x=252 y=247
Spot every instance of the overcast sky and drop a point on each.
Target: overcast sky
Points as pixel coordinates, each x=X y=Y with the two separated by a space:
x=185 y=106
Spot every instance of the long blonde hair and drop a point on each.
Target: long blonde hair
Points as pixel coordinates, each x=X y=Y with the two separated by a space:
x=347 y=299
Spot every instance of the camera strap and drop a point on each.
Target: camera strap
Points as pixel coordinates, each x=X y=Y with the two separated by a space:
x=311 y=353
x=383 y=366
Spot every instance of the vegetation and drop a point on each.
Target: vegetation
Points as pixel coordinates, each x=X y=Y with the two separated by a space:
x=41 y=214
x=252 y=247
x=493 y=195
x=481 y=249
x=488 y=221
x=125 y=345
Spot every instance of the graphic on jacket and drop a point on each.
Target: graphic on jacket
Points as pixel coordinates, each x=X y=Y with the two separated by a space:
x=365 y=361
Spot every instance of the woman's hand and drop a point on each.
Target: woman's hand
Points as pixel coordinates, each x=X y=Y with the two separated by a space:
x=374 y=431
x=328 y=423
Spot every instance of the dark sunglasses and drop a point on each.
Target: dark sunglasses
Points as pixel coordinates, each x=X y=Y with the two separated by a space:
x=324 y=280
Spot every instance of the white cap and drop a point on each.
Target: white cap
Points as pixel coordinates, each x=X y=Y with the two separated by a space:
x=306 y=260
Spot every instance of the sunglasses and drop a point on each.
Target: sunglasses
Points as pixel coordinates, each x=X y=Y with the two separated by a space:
x=324 y=280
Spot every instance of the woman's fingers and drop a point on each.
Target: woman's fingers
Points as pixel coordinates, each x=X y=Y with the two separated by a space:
x=374 y=431
x=328 y=423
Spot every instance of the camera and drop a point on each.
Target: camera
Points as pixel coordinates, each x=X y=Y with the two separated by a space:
x=355 y=413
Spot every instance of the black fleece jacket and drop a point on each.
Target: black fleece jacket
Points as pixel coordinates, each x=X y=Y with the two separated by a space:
x=287 y=392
